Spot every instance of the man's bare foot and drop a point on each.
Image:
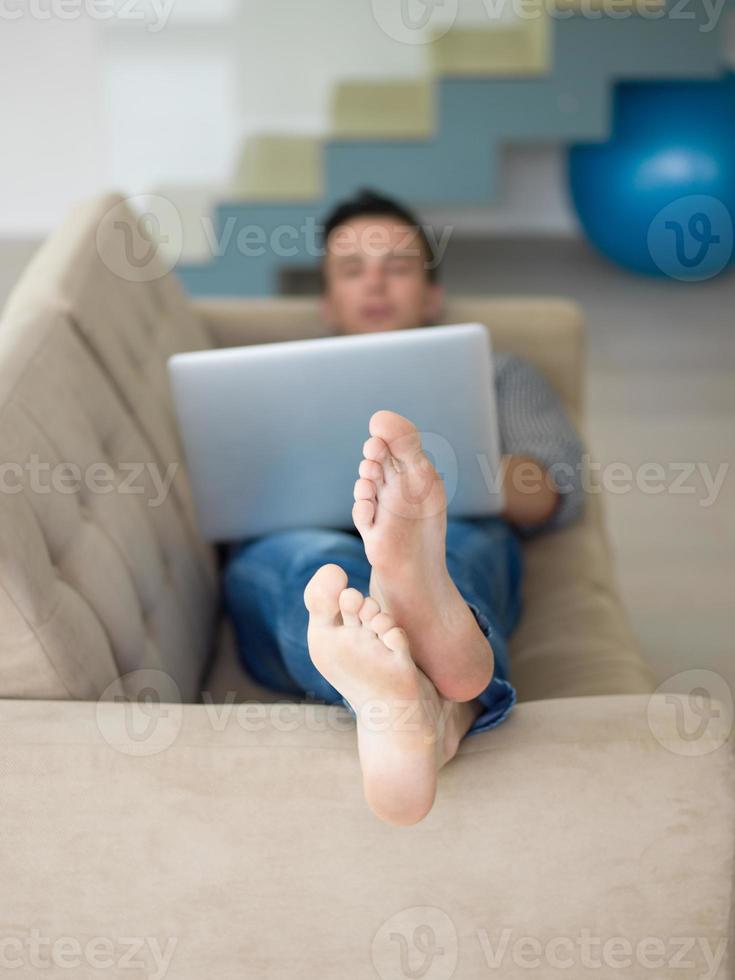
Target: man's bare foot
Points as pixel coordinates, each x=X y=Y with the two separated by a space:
x=406 y=731
x=400 y=511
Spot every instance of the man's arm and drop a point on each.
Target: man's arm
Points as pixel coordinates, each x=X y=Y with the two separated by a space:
x=531 y=496
x=543 y=453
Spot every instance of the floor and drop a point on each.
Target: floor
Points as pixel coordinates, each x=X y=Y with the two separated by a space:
x=661 y=389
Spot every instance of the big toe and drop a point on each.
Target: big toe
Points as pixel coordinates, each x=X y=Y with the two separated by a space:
x=399 y=433
x=321 y=595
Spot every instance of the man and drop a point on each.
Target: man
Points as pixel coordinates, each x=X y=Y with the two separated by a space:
x=416 y=646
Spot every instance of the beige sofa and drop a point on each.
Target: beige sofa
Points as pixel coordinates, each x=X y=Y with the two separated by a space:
x=154 y=793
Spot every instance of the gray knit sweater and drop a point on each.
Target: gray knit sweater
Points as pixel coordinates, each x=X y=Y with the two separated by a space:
x=532 y=422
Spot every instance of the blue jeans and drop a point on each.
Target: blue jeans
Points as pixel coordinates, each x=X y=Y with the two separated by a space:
x=265 y=578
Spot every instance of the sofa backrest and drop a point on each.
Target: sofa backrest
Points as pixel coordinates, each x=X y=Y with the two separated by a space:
x=105 y=275
x=516 y=324
x=98 y=576
x=98 y=582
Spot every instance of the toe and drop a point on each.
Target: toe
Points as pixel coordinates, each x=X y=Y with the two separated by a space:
x=398 y=433
x=369 y=609
x=371 y=470
x=396 y=640
x=381 y=623
x=375 y=449
x=350 y=602
x=321 y=595
x=363 y=512
x=364 y=489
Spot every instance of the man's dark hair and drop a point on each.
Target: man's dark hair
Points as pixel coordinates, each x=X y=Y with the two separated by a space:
x=367 y=202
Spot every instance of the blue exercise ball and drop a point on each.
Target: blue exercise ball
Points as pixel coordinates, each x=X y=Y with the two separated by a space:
x=659 y=197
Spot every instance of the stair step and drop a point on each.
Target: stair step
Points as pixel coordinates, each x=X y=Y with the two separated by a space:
x=252 y=242
x=382 y=109
x=519 y=49
x=476 y=115
x=276 y=167
x=611 y=7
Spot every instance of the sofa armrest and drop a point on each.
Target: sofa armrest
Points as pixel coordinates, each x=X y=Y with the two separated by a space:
x=236 y=837
x=574 y=637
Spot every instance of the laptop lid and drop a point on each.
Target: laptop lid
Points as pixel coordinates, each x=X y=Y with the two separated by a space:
x=273 y=433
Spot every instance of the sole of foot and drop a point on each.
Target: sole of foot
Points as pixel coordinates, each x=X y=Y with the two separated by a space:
x=400 y=511
x=403 y=738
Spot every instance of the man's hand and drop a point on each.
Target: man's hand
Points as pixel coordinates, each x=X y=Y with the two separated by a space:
x=531 y=496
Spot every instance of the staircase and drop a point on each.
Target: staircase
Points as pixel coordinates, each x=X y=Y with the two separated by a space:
x=439 y=140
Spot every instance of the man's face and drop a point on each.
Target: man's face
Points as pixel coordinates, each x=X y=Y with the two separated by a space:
x=376 y=278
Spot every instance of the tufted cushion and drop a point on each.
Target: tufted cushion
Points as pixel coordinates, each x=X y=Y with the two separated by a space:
x=103 y=580
x=100 y=270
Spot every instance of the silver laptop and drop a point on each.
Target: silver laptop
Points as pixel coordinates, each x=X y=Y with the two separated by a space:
x=273 y=433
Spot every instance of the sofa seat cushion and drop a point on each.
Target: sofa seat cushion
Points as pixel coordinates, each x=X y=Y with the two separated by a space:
x=228 y=682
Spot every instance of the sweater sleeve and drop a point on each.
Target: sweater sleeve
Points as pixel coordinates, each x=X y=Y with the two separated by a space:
x=532 y=422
